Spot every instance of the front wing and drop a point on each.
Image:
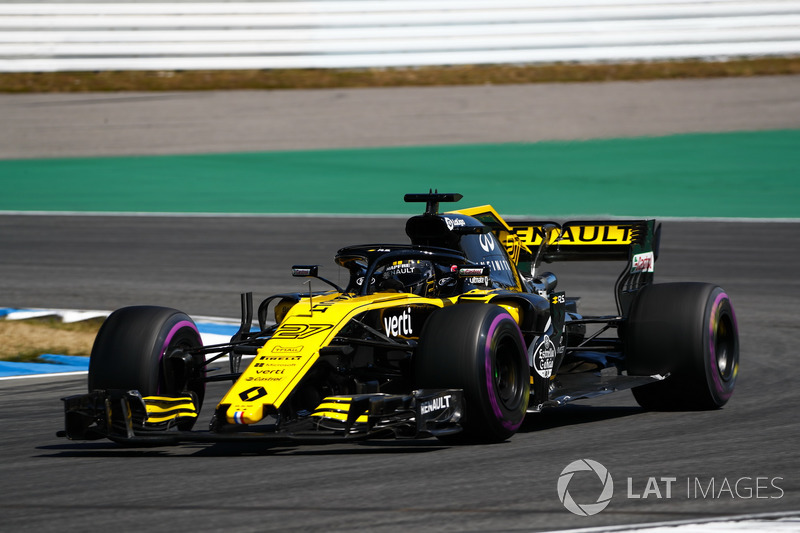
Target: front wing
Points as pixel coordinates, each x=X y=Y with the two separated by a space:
x=128 y=417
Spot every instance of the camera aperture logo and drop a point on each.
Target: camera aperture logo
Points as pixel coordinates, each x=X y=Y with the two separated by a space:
x=585 y=509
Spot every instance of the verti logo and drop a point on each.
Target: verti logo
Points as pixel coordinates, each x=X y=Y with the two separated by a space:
x=585 y=509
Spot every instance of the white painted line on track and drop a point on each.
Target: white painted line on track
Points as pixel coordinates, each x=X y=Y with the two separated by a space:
x=199 y=215
x=46 y=375
x=778 y=522
x=509 y=218
x=66 y=315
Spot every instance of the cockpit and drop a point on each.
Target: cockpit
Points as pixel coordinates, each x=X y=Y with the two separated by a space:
x=469 y=261
x=424 y=271
x=450 y=253
x=470 y=237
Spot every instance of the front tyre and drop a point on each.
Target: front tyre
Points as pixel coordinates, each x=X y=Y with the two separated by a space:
x=149 y=349
x=478 y=348
x=690 y=331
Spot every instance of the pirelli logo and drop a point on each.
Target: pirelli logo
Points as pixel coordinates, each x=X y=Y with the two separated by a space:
x=576 y=235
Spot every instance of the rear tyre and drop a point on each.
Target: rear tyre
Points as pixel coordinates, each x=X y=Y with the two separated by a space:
x=147 y=348
x=478 y=348
x=690 y=331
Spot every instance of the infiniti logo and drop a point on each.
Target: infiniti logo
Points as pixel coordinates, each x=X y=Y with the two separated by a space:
x=487 y=242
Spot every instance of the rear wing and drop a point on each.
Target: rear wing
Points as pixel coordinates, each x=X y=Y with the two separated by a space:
x=582 y=240
x=529 y=243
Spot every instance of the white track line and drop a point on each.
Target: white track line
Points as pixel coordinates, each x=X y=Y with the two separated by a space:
x=46 y=375
x=510 y=218
x=747 y=522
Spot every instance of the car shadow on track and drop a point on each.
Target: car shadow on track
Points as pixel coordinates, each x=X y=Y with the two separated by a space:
x=570 y=415
x=548 y=419
x=234 y=449
x=378 y=447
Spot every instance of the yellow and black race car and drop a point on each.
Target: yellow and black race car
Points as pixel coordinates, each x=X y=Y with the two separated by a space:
x=458 y=334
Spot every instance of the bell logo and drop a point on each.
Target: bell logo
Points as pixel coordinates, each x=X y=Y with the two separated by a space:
x=586 y=509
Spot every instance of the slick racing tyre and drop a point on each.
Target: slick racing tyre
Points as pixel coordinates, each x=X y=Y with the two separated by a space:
x=689 y=331
x=478 y=348
x=145 y=348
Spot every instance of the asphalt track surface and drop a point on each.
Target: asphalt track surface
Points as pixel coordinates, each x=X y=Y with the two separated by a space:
x=66 y=125
x=201 y=264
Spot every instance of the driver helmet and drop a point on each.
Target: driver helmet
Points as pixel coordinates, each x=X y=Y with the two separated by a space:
x=411 y=276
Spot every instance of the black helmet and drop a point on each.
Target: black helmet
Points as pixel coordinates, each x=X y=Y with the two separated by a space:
x=411 y=276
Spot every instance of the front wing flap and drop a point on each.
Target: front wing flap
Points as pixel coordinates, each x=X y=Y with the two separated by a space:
x=126 y=416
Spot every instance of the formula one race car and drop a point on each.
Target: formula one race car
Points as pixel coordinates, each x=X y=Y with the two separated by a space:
x=457 y=335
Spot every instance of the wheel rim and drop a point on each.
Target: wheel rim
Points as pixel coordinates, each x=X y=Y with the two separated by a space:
x=507 y=375
x=725 y=347
x=181 y=339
